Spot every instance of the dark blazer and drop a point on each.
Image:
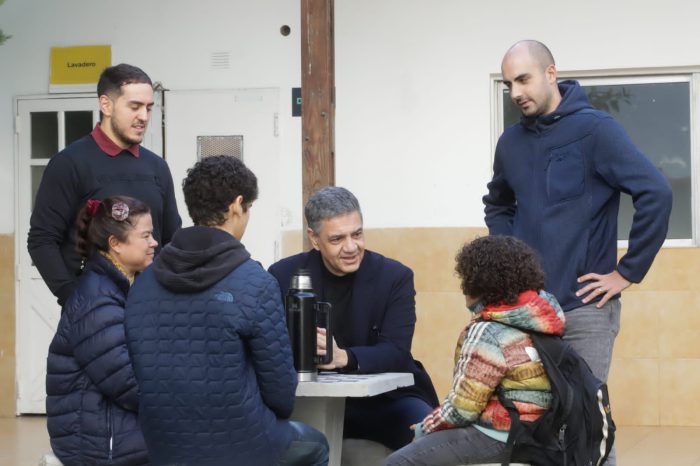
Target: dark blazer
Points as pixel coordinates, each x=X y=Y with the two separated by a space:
x=383 y=316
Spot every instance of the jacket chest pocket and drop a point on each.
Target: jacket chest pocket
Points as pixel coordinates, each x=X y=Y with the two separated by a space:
x=565 y=175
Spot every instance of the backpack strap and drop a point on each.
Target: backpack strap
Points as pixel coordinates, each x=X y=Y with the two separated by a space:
x=515 y=425
x=551 y=349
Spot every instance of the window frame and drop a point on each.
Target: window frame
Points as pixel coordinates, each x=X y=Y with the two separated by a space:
x=691 y=75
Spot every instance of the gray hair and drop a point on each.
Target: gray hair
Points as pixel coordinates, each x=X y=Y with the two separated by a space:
x=329 y=202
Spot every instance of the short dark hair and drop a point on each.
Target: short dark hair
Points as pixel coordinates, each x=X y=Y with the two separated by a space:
x=329 y=202
x=496 y=269
x=96 y=223
x=213 y=183
x=114 y=77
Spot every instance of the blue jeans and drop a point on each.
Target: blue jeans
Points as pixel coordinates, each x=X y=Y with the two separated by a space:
x=591 y=332
x=309 y=447
x=448 y=448
x=384 y=419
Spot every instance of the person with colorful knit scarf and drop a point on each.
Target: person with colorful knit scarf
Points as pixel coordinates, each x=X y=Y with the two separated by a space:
x=502 y=281
x=92 y=394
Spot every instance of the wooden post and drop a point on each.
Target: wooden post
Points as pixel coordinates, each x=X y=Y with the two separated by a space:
x=318 y=98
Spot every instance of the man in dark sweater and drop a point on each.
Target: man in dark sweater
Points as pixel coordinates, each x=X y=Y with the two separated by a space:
x=556 y=185
x=373 y=316
x=109 y=161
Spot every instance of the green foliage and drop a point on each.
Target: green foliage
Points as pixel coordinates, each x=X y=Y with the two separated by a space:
x=609 y=98
x=3 y=36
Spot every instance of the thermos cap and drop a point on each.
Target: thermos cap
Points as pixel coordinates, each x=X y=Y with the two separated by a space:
x=301 y=280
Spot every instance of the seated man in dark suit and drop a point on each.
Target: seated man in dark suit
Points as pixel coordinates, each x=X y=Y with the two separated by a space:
x=373 y=316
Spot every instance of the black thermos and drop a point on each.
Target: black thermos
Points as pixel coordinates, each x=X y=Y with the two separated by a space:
x=304 y=314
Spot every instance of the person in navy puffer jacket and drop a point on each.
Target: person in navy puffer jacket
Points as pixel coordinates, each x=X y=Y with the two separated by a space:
x=92 y=395
x=206 y=330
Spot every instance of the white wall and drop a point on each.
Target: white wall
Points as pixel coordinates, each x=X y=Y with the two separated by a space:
x=413 y=91
x=172 y=41
x=413 y=135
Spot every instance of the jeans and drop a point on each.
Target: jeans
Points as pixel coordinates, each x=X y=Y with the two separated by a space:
x=449 y=448
x=309 y=447
x=383 y=419
x=591 y=332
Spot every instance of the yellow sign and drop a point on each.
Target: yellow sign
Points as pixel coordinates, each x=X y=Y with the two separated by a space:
x=79 y=65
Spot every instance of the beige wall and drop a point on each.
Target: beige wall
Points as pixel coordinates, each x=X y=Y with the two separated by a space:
x=7 y=325
x=655 y=375
x=656 y=365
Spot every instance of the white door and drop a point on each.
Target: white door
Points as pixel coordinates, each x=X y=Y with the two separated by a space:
x=45 y=125
x=240 y=122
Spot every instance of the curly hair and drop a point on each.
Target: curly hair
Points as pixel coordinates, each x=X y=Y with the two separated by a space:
x=213 y=183
x=496 y=269
x=93 y=230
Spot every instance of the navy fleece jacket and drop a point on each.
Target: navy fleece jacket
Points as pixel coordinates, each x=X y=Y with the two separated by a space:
x=556 y=185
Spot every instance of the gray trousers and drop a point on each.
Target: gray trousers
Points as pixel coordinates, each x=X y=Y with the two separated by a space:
x=591 y=332
x=449 y=448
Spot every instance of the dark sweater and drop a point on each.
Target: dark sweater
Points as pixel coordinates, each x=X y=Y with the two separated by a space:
x=556 y=185
x=338 y=291
x=83 y=171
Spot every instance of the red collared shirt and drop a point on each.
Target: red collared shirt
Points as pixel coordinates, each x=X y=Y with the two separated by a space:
x=108 y=146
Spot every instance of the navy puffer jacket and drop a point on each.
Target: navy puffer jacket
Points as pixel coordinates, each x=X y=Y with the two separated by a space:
x=92 y=395
x=206 y=330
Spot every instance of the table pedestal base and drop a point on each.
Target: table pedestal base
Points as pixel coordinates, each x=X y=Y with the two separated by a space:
x=326 y=415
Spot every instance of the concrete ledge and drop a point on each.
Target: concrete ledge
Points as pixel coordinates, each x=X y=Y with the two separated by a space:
x=50 y=459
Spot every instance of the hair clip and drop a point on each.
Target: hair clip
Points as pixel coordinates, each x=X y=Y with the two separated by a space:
x=91 y=206
x=120 y=211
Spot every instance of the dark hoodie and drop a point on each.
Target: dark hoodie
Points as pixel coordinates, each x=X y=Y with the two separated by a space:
x=207 y=335
x=556 y=185
x=197 y=258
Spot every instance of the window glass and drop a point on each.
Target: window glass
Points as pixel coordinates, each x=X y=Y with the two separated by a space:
x=78 y=124
x=657 y=118
x=37 y=173
x=44 y=134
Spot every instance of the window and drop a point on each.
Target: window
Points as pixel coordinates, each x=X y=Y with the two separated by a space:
x=46 y=140
x=656 y=112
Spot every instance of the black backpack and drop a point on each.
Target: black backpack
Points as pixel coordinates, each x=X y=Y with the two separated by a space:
x=578 y=429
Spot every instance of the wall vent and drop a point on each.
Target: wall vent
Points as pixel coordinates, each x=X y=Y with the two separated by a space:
x=220 y=60
x=219 y=145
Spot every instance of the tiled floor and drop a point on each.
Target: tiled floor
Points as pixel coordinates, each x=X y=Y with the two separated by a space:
x=24 y=440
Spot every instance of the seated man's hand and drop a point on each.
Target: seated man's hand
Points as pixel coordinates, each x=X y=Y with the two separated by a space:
x=340 y=356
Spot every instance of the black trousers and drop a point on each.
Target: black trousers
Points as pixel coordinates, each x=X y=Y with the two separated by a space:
x=383 y=419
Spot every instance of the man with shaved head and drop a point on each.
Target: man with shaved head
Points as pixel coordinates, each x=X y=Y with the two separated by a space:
x=557 y=178
x=534 y=65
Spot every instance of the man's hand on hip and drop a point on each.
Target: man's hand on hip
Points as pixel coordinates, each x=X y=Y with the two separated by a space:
x=607 y=285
